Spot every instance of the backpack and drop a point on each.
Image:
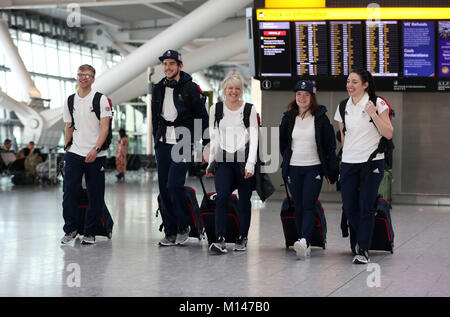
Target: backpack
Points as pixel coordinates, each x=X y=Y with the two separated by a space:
x=246 y=119
x=263 y=185
x=185 y=94
x=187 y=99
x=96 y=109
x=384 y=146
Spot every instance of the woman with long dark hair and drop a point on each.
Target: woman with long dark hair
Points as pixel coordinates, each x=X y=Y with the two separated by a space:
x=308 y=147
x=366 y=119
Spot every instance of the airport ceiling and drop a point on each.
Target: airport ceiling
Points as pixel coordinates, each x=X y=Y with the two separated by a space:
x=132 y=22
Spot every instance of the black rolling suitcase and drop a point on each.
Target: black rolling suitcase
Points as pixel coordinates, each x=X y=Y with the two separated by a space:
x=208 y=216
x=194 y=213
x=383 y=233
x=105 y=222
x=319 y=236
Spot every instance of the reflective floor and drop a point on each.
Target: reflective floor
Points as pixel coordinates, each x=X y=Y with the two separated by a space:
x=32 y=263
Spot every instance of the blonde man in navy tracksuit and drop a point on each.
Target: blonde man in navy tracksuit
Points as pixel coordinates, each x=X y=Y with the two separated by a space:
x=365 y=124
x=308 y=145
x=85 y=135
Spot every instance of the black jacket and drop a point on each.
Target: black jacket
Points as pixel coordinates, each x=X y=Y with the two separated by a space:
x=188 y=110
x=325 y=140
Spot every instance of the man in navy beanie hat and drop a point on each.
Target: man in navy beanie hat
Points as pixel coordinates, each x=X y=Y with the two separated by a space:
x=176 y=102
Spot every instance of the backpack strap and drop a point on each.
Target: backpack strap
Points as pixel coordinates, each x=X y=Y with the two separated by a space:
x=96 y=104
x=70 y=102
x=219 y=113
x=342 y=107
x=247 y=112
x=96 y=110
x=246 y=115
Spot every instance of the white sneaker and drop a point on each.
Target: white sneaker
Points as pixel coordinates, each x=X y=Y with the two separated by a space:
x=241 y=244
x=302 y=249
x=69 y=237
x=218 y=247
x=361 y=258
x=183 y=236
x=88 y=240
x=167 y=241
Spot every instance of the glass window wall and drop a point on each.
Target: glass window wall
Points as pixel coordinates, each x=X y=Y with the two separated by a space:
x=53 y=65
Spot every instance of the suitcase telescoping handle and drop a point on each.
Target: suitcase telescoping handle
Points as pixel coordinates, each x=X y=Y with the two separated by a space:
x=203 y=185
x=287 y=192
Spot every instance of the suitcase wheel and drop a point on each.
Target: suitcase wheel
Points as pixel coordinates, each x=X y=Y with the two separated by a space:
x=109 y=235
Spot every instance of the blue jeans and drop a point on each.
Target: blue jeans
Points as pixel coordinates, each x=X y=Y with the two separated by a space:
x=305 y=183
x=171 y=179
x=359 y=203
x=94 y=174
x=227 y=178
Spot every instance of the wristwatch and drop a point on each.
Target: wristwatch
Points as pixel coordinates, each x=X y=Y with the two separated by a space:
x=97 y=149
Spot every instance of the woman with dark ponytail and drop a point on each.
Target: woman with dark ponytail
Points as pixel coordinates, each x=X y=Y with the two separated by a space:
x=363 y=121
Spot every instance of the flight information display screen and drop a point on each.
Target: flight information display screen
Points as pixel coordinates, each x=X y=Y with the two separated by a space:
x=346 y=47
x=274 y=53
x=418 y=49
x=403 y=54
x=311 y=48
x=444 y=48
x=382 y=48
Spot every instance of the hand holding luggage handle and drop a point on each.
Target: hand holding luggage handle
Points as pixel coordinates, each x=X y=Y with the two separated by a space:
x=200 y=177
x=287 y=192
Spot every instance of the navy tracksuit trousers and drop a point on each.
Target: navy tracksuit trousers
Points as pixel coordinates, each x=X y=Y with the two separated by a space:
x=227 y=178
x=94 y=174
x=359 y=203
x=305 y=183
x=171 y=179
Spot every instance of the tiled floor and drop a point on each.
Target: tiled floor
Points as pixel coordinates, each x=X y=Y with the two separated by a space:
x=32 y=263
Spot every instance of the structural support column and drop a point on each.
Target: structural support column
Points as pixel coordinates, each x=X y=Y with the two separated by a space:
x=194 y=61
x=188 y=28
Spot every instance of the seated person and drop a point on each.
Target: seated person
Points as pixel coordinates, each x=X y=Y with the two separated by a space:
x=30 y=145
x=19 y=163
x=7 y=156
x=6 y=146
x=31 y=161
